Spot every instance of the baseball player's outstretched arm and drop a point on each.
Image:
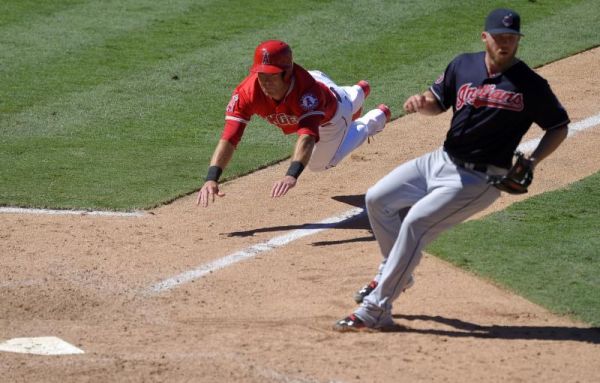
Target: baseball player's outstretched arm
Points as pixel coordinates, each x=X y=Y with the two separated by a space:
x=221 y=157
x=424 y=103
x=302 y=153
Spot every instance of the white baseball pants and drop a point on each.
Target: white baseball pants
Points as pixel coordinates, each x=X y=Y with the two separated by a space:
x=340 y=136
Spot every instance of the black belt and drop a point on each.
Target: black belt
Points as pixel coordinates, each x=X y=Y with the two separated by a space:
x=336 y=94
x=469 y=165
x=339 y=100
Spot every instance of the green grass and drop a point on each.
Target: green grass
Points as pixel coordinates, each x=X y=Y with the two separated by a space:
x=544 y=248
x=119 y=104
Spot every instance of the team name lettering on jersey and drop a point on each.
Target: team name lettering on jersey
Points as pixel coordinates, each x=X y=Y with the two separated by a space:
x=282 y=119
x=488 y=96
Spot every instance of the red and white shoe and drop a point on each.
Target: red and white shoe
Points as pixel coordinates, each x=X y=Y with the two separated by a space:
x=386 y=110
x=350 y=323
x=354 y=323
x=366 y=87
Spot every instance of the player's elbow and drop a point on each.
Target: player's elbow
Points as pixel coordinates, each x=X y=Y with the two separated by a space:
x=558 y=135
x=563 y=131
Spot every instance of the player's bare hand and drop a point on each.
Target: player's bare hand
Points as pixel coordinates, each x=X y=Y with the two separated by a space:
x=280 y=188
x=414 y=103
x=209 y=190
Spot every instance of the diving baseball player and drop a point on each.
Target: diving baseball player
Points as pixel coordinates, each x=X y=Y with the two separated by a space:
x=326 y=117
x=495 y=98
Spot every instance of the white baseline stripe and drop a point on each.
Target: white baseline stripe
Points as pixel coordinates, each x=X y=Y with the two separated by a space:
x=18 y=210
x=328 y=223
x=575 y=128
x=253 y=251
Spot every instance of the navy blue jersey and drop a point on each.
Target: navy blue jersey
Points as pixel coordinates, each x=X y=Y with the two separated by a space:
x=491 y=114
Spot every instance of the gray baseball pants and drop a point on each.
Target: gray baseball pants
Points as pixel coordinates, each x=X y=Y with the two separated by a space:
x=408 y=209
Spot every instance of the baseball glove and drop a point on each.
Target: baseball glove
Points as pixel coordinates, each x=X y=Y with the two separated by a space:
x=518 y=178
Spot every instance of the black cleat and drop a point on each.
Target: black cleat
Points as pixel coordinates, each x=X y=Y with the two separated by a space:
x=367 y=289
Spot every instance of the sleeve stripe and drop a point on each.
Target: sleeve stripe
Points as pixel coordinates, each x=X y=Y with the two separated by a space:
x=437 y=97
x=237 y=119
x=315 y=113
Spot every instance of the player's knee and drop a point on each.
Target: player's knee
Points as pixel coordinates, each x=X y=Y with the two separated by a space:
x=372 y=200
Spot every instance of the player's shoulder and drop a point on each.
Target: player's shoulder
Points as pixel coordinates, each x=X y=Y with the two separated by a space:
x=247 y=97
x=308 y=94
x=248 y=85
x=526 y=70
x=305 y=84
x=303 y=78
x=522 y=73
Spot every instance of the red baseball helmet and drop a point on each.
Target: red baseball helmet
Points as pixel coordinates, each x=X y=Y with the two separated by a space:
x=272 y=56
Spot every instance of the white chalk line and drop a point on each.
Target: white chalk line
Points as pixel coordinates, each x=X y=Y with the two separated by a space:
x=574 y=128
x=253 y=251
x=282 y=240
x=19 y=210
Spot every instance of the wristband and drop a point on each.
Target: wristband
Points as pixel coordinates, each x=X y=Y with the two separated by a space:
x=295 y=169
x=214 y=172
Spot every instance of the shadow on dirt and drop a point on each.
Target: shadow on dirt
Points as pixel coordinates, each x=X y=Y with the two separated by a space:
x=359 y=221
x=464 y=329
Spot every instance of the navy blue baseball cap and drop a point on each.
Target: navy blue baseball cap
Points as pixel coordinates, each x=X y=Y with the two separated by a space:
x=503 y=20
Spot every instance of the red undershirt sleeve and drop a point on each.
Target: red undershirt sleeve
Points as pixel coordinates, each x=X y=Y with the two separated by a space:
x=233 y=130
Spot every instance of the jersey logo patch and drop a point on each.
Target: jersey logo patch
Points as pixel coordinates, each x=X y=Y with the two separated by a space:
x=308 y=101
x=232 y=103
x=490 y=97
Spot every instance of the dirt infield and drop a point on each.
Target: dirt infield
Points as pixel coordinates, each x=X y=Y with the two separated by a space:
x=88 y=281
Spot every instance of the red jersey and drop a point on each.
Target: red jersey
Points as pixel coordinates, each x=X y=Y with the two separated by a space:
x=307 y=105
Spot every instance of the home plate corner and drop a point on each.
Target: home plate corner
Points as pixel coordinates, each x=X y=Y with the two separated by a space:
x=47 y=345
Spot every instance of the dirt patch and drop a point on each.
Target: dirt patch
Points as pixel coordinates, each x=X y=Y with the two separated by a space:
x=268 y=319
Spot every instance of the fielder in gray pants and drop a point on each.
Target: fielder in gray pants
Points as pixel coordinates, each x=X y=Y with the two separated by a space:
x=439 y=195
x=495 y=98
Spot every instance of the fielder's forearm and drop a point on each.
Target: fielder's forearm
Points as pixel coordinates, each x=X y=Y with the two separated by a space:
x=431 y=107
x=424 y=103
x=549 y=143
